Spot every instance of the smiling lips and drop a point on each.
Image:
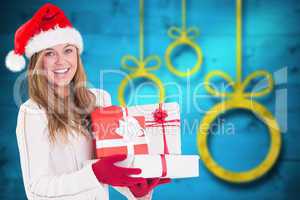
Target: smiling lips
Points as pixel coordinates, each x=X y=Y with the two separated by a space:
x=61 y=71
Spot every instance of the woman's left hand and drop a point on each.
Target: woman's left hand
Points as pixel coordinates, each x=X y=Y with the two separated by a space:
x=143 y=188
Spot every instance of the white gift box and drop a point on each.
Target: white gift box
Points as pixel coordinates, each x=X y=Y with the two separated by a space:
x=154 y=131
x=177 y=166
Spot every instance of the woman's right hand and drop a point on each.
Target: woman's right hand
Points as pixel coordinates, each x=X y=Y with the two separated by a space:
x=108 y=173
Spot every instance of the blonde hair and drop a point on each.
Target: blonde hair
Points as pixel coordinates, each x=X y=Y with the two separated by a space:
x=65 y=115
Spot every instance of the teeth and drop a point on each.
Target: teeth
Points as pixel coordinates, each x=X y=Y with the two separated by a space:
x=61 y=71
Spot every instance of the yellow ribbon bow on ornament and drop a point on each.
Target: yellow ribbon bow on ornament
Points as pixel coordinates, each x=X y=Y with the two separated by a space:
x=142 y=66
x=239 y=99
x=183 y=36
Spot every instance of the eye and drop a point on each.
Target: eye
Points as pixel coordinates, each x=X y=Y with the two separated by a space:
x=68 y=50
x=49 y=54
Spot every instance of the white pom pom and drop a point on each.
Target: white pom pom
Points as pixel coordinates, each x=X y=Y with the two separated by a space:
x=14 y=62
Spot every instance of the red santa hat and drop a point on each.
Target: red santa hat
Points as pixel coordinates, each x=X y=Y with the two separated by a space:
x=48 y=27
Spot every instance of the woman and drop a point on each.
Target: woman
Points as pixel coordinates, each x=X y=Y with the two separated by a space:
x=53 y=134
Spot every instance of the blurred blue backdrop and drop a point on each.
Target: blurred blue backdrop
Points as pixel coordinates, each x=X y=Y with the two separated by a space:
x=271 y=41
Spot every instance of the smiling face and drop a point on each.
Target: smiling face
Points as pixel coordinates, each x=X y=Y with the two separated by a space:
x=60 y=64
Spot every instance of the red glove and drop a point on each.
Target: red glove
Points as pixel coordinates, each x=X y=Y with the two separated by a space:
x=106 y=172
x=143 y=188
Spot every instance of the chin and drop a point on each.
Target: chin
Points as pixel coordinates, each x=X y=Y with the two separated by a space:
x=62 y=83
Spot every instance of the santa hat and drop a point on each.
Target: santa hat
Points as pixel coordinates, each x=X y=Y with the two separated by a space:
x=48 y=27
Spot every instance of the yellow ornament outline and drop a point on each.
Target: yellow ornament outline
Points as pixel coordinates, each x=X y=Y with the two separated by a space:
x=257 y=171
x=182 y=36
x=141 y=68
x=239 y=99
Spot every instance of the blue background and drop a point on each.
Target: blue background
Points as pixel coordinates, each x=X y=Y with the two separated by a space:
x=271 y=41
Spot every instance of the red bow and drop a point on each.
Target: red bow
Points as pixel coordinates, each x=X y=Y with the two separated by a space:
x=160 y=115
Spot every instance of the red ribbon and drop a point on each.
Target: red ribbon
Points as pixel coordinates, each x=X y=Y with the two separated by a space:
x=164 y=165
x=160 y=116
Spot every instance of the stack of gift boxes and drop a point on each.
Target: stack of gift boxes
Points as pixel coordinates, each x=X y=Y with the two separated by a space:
x=148 y=134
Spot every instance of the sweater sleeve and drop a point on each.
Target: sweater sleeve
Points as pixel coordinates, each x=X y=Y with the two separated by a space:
x=39 y=179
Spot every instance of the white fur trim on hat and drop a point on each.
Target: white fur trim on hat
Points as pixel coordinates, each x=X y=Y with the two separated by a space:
x=52 y=37
x=15 y=62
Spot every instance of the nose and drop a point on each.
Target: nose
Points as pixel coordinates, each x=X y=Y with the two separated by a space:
x=60 y=59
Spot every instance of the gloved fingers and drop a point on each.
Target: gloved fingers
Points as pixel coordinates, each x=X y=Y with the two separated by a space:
x=158 y=181
x=128 y=171
x=138 y=193
x=141 y=186
x=153 y=181
x=133 y=181
x=126 y=182
x=164 y=181
x=139 y=190
x=120 y=184
x=133 y=171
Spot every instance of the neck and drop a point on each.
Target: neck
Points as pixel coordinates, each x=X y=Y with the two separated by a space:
x=62 y=91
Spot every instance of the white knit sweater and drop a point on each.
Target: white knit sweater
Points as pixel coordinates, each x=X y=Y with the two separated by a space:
x=57 y=172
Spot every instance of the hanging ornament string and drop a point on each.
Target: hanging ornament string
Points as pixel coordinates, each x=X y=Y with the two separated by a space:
x=239 y=98
x=142 y=66
x=183 y=36
x=239 y=86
